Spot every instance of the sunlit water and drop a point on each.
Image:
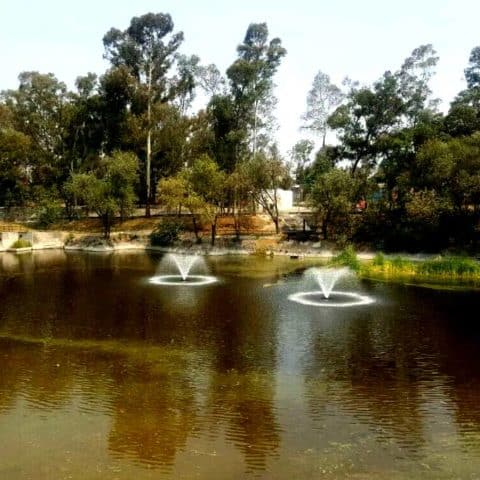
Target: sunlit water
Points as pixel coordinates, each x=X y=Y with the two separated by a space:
x=105 y=376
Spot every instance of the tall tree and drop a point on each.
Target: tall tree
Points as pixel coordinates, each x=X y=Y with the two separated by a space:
x=39 y=107
x=389 y=116
x=322 y=99
x=464 y=115
x=251 y=78
x=211 y=80
x=300 y=156
x=15 y=148
x=472 y=72
x=147 y=48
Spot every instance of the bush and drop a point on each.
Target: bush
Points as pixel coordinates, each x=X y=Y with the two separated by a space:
x=400 y=263
x=21 y=243
x=347 y=258
x=70 y=239
x=166 y=233
x=50 y=213
x=379 y=260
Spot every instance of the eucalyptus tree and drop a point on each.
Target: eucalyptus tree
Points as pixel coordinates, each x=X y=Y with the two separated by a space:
x=300 y=156
x=265 y=173
x=322 y=99
x=86 y=126
x=464 y=115
x=251 y=78
x=390 y=117
x=15 y=149
x=211 y=80
x=414 y=83
x=368 y=114
x=186 y=80
x=117 y=91
x=40 y=108
x=230 y=136
x=472 y=72
x=147 y=48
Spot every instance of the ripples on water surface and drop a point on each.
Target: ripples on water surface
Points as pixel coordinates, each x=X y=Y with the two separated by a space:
x=104 y=376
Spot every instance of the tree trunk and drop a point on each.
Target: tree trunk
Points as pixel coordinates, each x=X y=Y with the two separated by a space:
x=276 y=222
x=255 y=130
x=149 y=138
x=325 y=230
x=195 y=229
x=107 y=224
x=236 y=215
x=148 y=167
x=214 y=232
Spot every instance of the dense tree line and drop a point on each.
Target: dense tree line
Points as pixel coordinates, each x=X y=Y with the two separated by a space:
x=410 y=173
x=391 y=170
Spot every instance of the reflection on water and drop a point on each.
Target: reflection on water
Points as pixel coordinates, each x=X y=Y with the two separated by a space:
x=106 y=376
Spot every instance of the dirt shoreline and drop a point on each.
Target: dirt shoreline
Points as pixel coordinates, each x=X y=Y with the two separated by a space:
x=119 y=242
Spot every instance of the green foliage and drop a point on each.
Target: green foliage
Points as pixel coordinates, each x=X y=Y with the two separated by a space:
x=166 y=233
x=441 y=269
x=417 y=169
x=21 y=243
x=14 y=154
x=332 y=196
x=51 y=211
x=322 y=99
x=109 y=190
x=347 y=258
x=379 y=260
x=399 y=263
x=450 y=266
x=300 y=156
x=251 y=82
x=263 y=175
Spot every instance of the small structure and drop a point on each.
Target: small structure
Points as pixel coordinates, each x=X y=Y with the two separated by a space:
x=284 y=200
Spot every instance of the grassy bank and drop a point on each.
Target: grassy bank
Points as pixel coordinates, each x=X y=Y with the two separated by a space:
x=442 y=270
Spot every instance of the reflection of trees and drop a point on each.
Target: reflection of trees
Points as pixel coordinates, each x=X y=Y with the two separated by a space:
x=154 y=414
x=242 y=385
x=41 y=374
x=10 y=372
x=389 y=366
x=104 y=343
x=457 y=343
x=244 y=404
x=372 y=369
x=152 y=401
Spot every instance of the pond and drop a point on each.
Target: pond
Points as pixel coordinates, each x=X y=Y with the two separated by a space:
x=105 y=375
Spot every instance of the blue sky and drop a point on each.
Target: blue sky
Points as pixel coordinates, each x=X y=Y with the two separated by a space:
x=360 y=39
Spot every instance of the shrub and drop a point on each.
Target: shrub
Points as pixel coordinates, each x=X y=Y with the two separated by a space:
x=347 y=258
x=21 y=243
x=166 y=233
x=70 y=239
x=50 y=213
x=400 y=263
x=379 y=260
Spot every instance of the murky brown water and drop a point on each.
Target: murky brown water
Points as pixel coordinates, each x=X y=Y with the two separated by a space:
x=103 y=376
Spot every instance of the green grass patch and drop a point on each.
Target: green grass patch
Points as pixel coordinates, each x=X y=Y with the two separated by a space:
x=460 y=270
x=451 y=266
